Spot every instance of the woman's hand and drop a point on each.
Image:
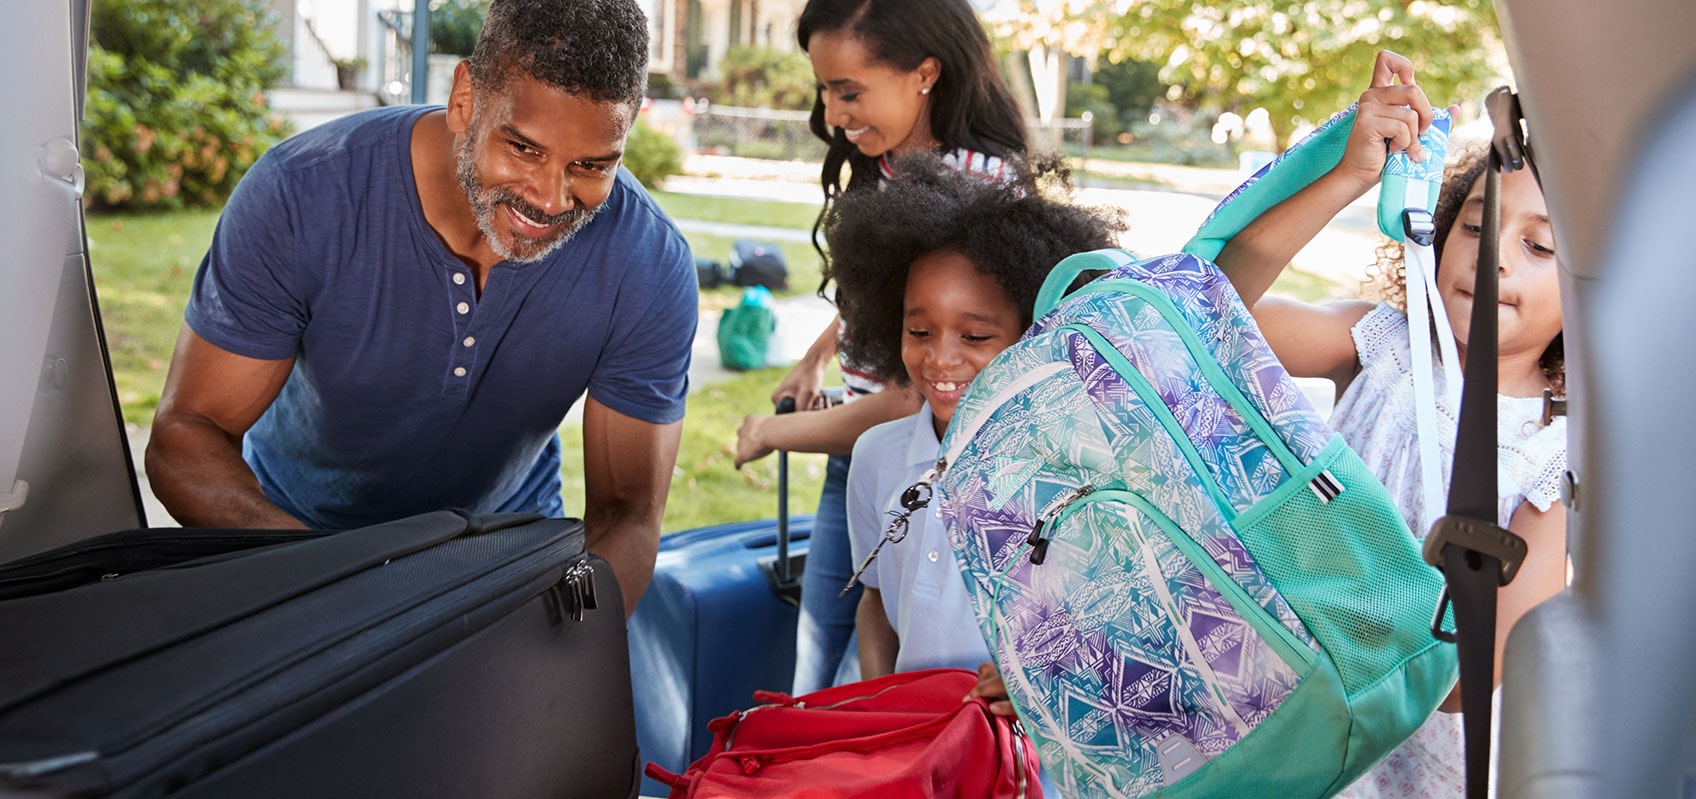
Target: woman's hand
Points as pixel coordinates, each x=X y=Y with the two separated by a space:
x=750 y=445
x=1390 y=118
x=992 y=689
x=804 y=383
x=807 y=376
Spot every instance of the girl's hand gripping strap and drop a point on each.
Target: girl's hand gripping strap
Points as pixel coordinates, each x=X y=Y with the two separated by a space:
x=1406 y=201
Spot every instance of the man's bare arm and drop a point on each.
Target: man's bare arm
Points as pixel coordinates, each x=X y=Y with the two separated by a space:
x=193 y=459
x=627 y=465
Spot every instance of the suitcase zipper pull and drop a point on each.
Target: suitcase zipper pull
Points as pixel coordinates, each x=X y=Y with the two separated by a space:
x=556 y=606
x=574 y=593
x=575 y=582
x=589 y=601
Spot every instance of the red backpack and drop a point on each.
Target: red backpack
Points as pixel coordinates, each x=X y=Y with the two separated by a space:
x=897 y=736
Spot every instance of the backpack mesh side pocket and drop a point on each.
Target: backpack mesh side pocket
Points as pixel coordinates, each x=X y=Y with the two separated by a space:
x=1349 y=568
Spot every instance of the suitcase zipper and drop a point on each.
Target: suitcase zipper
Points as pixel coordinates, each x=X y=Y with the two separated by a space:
x=573 y=594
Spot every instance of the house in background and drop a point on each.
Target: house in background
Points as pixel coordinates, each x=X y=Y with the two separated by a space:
x=690 y=36
x=369 y=39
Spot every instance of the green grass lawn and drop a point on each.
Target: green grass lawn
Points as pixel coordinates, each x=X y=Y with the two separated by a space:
x=705 y=488
x=769 y=213
x=144 y=265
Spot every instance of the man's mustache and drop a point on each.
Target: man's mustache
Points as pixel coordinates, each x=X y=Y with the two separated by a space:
x=531 y=212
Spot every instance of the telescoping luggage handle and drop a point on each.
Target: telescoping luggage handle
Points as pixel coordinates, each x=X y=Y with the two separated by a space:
x=785 y=578
x=1475 y=555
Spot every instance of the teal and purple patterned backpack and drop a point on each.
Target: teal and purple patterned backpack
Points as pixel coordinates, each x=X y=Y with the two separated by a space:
x=1192 y=586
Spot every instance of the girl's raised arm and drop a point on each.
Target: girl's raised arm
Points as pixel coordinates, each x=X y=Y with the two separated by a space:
x=1314 y=340
x=1390 y=118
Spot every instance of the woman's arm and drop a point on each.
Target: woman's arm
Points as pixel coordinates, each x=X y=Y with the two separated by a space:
x=832 y=431
x=807 y=375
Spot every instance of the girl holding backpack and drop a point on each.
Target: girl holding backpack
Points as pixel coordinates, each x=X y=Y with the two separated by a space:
x=1364 y=348
x=895 y=77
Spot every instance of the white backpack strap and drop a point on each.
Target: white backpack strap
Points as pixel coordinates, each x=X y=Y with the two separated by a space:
x=1425 y=307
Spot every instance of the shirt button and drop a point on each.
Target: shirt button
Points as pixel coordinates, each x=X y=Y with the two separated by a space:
x=470 y=340
x=464 y=307
x=933 y=556
x=459 y=278
x=459 y=371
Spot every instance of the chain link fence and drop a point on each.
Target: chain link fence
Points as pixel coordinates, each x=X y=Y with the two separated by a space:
x=784 y=135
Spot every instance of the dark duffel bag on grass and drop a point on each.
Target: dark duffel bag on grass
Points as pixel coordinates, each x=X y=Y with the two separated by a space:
x=758 y=263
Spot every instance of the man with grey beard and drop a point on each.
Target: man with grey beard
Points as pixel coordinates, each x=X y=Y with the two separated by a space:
x=399 y=307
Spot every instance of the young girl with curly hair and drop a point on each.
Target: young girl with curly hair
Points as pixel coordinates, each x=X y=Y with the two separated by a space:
x=940 y=272
x=1363 y=347
x=894 y=76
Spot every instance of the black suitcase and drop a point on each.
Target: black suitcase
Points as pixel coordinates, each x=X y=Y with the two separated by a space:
x=440 y=655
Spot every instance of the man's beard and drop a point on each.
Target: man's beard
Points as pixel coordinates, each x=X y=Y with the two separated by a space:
x=485 y=203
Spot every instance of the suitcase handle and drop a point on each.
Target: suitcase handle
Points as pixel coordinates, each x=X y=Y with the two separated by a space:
x=785 y=580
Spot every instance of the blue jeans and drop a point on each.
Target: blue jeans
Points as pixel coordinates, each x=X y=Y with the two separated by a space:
x=825 y=653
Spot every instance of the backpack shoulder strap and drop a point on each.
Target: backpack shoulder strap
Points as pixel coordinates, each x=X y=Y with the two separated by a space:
x=1298 y=166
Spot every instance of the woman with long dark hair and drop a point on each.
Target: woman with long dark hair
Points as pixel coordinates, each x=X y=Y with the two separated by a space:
x=894 y=76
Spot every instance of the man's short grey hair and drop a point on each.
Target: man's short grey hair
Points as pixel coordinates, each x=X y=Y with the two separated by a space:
x=593 y=48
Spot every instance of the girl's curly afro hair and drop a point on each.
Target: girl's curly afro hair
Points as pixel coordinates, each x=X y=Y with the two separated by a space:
x=1008 y=227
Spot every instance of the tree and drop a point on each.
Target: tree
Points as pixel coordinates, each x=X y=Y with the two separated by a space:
x=761 y=77
x=455 y=25
x=1047 y=31
x=1303 y=60
x=176 y=107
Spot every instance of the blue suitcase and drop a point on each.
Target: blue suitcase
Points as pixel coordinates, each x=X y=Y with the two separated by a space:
x=716 y=623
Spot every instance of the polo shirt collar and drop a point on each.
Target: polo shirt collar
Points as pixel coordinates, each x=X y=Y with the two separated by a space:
x=923 y=447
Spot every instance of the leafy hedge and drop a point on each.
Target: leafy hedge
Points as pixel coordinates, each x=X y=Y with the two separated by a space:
x=760 y=77
x=651 y=156
x=176 y=108
x=455 y=25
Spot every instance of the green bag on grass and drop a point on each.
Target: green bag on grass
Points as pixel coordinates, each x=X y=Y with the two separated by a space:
x=744 y=331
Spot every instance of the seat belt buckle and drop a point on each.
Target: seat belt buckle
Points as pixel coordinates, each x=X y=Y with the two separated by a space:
x=1552 y=406
x=1474 y=535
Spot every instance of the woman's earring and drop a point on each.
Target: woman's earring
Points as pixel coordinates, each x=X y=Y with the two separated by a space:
x=925 y=90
